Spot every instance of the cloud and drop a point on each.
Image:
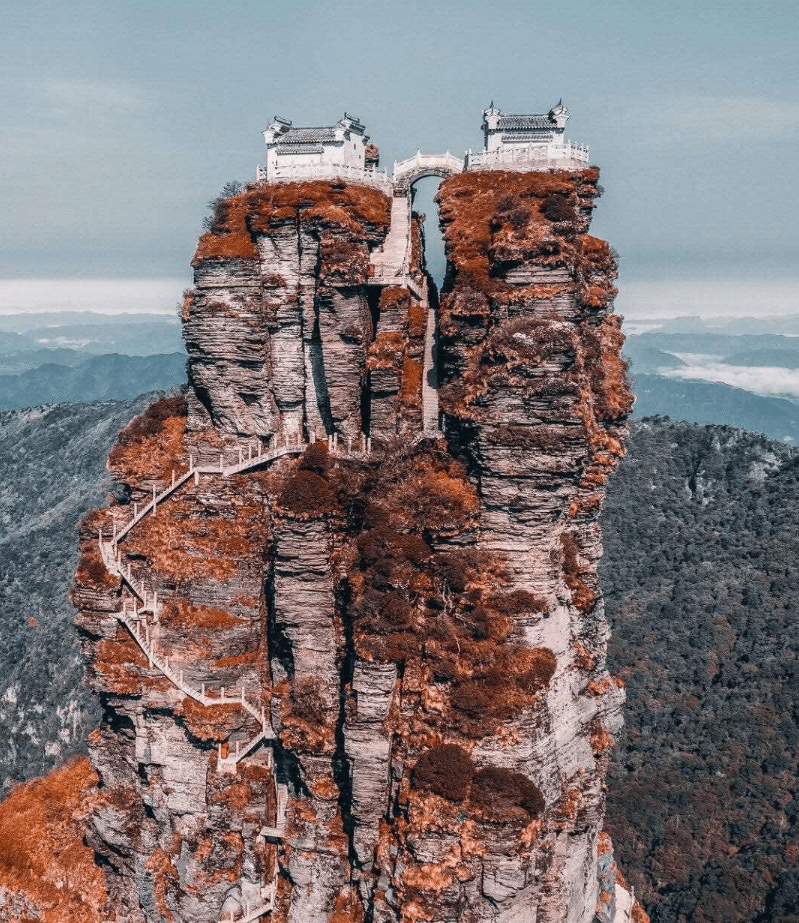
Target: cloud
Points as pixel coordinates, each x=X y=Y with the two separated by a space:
x=764 y=380
x=726 y=118
x=108 y=296
x=640 y=301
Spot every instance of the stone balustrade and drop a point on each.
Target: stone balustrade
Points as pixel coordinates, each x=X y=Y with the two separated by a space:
x=530 y=157
x=445 y=163
x=368 y=176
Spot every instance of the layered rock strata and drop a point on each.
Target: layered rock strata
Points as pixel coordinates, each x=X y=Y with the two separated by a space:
x=418 y=625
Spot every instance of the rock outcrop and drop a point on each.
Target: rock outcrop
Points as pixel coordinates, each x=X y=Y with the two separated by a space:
x=406 y=619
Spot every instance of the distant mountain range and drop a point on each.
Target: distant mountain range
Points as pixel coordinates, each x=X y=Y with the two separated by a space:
x=773 y=358
x=659 y=360
x=96 y=334
x=713 y=344
x=88 y=379
x=710 y=402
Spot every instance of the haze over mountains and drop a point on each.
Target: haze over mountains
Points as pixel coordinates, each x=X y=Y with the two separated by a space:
x=91 y=332
x=739 y=371
x=721 y=372
x=78 y=356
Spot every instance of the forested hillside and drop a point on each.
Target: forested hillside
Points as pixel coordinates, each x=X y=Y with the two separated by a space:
x=52 y=469
x=700 y=576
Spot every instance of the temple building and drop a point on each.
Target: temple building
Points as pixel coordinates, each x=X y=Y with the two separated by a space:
x=292 y=149
x=506 y=132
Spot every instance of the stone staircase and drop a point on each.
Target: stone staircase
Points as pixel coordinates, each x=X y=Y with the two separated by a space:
x=392 y=261
x=430 y=422
x=145 y=603
x=250 y=913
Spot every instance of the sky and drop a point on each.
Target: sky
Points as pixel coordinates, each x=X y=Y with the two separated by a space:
x=120 y=120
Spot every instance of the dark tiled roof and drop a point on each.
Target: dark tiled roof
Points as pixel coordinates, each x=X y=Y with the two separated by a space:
x=308 y=135
x=299 y=148
x=521 y=122
x=525 y=136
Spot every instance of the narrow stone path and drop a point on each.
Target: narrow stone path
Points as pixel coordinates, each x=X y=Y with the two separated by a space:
x=391 y=263
x=430 y=377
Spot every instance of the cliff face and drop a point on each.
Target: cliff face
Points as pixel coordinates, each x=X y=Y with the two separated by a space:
x=342 y=684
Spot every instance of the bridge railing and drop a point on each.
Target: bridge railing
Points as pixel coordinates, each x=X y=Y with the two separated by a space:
x=419 y=160
x=520 y=158
x=368 y=176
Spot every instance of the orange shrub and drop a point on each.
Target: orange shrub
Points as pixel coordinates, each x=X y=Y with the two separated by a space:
x=503 y=796
x=582 y=595
x=43 y=859
x=446 y=770
x=151 y=445
x=361 y=210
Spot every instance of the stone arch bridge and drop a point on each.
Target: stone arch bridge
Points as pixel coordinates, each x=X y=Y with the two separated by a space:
x=407 y=172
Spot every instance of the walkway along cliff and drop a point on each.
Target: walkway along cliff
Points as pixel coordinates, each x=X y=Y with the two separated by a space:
x=345 y=623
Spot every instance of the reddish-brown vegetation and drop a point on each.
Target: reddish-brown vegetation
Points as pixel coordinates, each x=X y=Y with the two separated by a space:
x=44 y=862
x=92 y=574
x=607 y=370
x=489 y=218
x=446 y=770
x=179 y=614
x=118 y=663
x=182 y=542
x=307 y=495
x=582 y=594
x=503 y=796
x=358 y=212
x=502 y=688
x=386 y=351
x=210 y=723
x=151 y=445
